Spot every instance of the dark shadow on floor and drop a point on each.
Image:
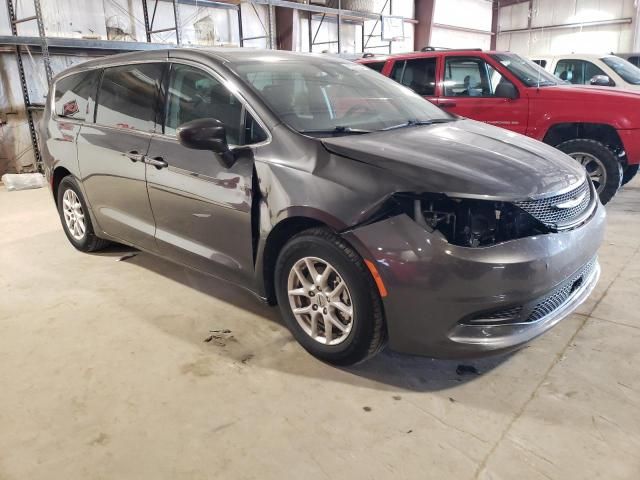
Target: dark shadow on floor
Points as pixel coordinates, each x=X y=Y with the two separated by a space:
x=386 y=371
x=116 y=250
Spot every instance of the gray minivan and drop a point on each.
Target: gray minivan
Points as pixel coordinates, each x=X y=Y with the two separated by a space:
x=367 y=213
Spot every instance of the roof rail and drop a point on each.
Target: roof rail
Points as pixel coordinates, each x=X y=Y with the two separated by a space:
x=435 y=49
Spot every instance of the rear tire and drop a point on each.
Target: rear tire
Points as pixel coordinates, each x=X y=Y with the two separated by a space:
x=358 y=336
x=74 y=215
x=602 y=165
x=630 y=171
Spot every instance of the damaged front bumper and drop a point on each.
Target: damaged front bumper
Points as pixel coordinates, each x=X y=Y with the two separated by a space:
x=453 y=302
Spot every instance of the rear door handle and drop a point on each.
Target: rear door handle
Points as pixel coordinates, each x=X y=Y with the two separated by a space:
x=157 y=162
x=134 y=156
x=448 y=104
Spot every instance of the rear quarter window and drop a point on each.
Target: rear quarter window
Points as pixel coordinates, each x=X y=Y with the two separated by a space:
x=377 y=66
x=75 y=95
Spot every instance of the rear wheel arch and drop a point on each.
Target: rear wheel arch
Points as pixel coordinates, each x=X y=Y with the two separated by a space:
x=58 y=174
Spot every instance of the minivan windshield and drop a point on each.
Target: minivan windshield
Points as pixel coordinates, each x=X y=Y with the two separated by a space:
x=528 y=72
x=336 y=98
x=627 y=70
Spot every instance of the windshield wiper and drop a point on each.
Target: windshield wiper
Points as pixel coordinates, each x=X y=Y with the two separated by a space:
x=413 y=123
x=336 y=129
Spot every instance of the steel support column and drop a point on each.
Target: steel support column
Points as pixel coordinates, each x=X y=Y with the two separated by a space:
x=424 y=15
x=284 y=28
x=495 y=13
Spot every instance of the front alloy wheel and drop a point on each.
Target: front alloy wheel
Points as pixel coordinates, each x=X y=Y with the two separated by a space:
x=328 y=298
x=320 y=300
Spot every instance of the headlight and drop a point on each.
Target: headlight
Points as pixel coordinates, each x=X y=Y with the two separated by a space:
x=469 y=222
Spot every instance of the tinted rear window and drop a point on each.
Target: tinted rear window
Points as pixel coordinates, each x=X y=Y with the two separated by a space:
x=635 y=61
x=128 y=96
x=377 y=66
x=75 y=95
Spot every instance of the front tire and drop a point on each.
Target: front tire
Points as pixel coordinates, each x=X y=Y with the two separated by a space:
x=602 y=165
x=630 y=171
x=75 y=218
x=328 y=298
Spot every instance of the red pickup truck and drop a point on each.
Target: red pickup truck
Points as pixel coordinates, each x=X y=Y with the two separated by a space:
x=598 y=127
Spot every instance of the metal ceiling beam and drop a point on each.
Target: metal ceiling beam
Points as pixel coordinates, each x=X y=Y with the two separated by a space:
x=320 y=9
x=82 y=43
x=598 y=23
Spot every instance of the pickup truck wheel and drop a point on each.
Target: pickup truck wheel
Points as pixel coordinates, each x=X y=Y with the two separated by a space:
x=629 y=172
x=601 y=164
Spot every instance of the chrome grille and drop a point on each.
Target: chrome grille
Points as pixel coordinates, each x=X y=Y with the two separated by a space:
x=561 y=294
x=549 y=210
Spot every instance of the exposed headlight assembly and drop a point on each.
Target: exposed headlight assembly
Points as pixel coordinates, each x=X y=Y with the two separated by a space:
x=469 y=222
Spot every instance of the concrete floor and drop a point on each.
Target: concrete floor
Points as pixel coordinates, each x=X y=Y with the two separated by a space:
x=104 y=374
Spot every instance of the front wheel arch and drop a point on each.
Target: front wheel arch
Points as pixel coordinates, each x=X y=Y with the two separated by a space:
x=279 y=235
x=58 y=175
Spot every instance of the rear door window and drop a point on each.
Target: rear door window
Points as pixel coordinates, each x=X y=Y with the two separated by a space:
x=75 y=95
x=418 y=74
x=128 y=96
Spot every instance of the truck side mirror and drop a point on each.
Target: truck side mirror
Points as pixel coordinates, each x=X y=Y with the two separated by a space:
x=506 y=89
x=602 y=81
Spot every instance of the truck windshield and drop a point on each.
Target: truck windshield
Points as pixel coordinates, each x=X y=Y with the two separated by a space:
x=328 y=97
x=628 y=71
x=529 y=73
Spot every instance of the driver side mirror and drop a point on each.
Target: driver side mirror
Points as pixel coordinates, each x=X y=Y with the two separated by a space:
x=507 y=90
x=207 y=134
x=204 y=134
x=602 y=81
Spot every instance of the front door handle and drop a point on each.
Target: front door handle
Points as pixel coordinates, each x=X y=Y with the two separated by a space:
x=134 y=156
x=157 y=162
x=449 y=104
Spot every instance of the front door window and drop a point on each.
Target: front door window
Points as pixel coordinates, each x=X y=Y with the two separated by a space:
x=473 y=77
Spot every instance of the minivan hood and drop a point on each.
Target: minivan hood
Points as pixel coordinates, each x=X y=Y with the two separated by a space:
x=465 y=158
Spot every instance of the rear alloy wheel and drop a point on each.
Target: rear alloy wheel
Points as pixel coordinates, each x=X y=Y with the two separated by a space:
x=329 y=299
x=630 y=171
x=601 y=164
x=74 y=215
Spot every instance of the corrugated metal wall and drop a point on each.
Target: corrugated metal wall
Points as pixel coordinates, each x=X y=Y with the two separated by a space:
x=123 y=20
x=546 y=38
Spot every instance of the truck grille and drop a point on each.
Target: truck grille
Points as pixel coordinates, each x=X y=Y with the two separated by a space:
x=561 y=209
